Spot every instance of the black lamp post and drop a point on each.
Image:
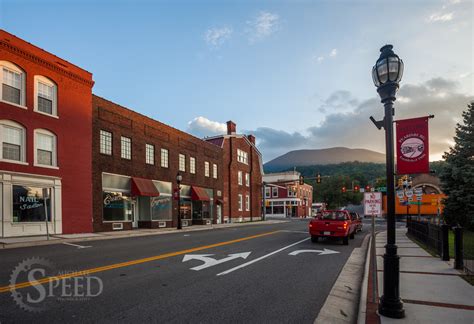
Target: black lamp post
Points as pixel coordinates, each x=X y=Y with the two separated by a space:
x=179 y=178
x=387 y=74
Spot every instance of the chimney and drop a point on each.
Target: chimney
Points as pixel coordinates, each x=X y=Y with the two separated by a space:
x=251 y=139
x=231 y=127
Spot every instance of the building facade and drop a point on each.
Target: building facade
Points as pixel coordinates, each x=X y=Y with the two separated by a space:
x=135 y=164
x=285 y=196
x=242 y=175
x=45 y=120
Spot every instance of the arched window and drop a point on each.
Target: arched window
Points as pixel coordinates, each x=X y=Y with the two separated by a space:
x=13 y=84
x=45 y=96
x=45 y=148
x=12 y=141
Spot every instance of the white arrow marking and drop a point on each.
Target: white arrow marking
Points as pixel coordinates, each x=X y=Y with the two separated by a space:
x=210 y=262
x=321 y=252
x=77 y=245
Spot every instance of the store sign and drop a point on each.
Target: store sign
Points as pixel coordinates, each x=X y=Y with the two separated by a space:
x=112 y=200
x=412 y=146
x=373 y=203
x=28 y=202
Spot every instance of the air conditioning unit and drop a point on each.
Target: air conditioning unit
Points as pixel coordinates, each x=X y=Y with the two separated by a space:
x=117 y=226
x=161 y=224
x=208 y=222
x=184 y=223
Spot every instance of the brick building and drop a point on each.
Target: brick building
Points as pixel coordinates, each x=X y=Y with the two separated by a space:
x=135 y=163
x=242 y=175
x=45 y=139
x=285 y=196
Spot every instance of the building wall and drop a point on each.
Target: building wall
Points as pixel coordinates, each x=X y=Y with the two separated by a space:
x=73 y=130
x=302 y=207
x=121 y=121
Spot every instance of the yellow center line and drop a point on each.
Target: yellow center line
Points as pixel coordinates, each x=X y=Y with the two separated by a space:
x=126 y=264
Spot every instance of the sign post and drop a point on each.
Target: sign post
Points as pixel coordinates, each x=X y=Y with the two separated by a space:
x=373 y=207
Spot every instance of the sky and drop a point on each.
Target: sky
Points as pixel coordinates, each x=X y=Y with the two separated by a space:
x=296 y=74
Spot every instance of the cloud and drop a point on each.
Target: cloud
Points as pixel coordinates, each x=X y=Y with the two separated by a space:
x=202 y=127
x=264 y=25
x=352 y=128
x=320 y=59
x=333 y=52
x=441 y=17
x=215 y=37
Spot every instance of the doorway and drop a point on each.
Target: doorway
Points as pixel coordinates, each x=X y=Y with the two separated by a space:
x=219 y=213
x=134 y=214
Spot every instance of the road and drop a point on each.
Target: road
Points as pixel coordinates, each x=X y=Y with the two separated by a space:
x=151 y=278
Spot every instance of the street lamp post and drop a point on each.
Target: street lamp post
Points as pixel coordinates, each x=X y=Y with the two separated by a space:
x=386 y=75
x=179 y=178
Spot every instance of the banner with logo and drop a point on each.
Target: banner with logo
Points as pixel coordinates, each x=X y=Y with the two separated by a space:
x=412 y=146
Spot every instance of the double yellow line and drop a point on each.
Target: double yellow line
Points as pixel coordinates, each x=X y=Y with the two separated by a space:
x=126 y=264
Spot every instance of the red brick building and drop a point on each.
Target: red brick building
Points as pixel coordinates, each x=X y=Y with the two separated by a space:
x=242 y=175
x=135 y=163
x=285 y=196
x=45 y=139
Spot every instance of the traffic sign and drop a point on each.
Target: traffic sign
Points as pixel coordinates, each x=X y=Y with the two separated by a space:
x=373 y=203
x=381 y=189
x=409 y=193
x=400 y=194
x=361 y=190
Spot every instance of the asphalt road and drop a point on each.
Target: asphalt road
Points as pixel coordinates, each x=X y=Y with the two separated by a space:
x=270 y=285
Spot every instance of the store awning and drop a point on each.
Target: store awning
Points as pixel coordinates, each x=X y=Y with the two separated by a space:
x=144 y=187
x=198 y=193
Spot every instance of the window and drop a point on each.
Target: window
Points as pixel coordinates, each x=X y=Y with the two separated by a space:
x=214 y=171
x=161 y=208
x=291 y=192
x=45 y=148
x=105 y=142
x=242 y=156
x=45 y=96
x=206 y=169
x=12 y=141
x=182 y=162
x=164 y=158
x=247 y=179
x=117 y=206
x=247 y=202
x=126 y=148
x=192 y=165
x=268 y=192
x=13 y=84
x=275 y=192
x=239 y=178
x=240 y=202
x=149 y=154
x=29 y=204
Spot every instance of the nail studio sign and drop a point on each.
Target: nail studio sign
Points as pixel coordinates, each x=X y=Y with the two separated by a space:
x=29 y=202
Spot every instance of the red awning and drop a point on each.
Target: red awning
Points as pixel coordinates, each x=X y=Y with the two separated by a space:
x=198 y=193
x=144 y=187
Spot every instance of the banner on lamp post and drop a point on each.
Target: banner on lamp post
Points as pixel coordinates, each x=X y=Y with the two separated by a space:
x=412 y=146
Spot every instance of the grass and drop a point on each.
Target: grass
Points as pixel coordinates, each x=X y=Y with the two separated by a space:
x=468 y=238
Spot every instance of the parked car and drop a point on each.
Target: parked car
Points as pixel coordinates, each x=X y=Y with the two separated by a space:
x=333 y=223
x=355 y=217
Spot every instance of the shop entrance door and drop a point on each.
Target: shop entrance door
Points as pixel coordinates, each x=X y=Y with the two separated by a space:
x=219 y=213
x=134 y=214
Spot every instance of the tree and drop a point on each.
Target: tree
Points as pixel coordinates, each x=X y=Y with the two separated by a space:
x=457 y=177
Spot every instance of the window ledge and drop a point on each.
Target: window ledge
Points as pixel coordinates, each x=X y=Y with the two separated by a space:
x=46 y=166
x=45 y=114
x=14 y=162
x=14 y=104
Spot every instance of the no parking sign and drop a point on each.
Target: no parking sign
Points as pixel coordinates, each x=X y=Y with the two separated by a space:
x=373 y=203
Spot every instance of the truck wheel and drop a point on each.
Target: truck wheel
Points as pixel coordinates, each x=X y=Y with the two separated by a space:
x=352 y=235
x=314 y=239
x=345 y=240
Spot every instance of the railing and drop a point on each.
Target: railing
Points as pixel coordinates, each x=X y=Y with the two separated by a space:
x=429 y=234
x=464 y=250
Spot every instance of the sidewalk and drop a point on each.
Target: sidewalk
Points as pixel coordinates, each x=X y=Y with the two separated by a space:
x=25 y=241
x=431 y=289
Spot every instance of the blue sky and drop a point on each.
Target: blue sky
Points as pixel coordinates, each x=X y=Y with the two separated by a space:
x=294 y=73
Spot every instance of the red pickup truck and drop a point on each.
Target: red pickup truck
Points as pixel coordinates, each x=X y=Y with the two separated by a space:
x=333 y=223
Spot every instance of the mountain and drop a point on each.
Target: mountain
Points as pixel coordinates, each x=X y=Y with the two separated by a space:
x=334 y=155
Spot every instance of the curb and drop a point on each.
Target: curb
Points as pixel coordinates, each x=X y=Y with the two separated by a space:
x=120 y=234
x=363 y=297
x=342 y=303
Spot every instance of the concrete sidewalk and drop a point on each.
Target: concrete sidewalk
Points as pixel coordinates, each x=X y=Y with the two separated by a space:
x=431 y=289
x=26 y=241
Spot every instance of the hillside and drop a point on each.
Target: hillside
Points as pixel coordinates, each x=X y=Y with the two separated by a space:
x=334 y=155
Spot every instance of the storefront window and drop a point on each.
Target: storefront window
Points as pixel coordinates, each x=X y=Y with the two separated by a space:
x=161 y=208
x=28 y=204
x=117 y=206
x=186 y=208
x=278 y=210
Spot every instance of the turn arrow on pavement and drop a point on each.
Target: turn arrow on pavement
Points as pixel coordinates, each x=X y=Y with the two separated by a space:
x=321 y=252
x=209 y=262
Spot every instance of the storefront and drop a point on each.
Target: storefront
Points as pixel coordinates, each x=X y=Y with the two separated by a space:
x=131 y=202
x=28 y=204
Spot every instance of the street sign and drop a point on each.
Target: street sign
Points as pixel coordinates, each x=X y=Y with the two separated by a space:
x=400 y=194
x=361 y=190
x=409 y=193
x=419 y=198
x=418 y=191
x=373 y=203
x=381 y=189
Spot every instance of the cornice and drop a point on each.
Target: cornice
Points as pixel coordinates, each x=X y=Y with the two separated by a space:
x=37 y=60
